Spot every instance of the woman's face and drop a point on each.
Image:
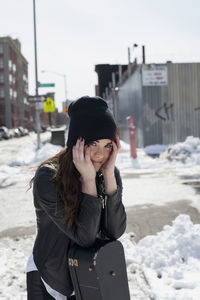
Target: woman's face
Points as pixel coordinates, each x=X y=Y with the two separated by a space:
x=99 y=152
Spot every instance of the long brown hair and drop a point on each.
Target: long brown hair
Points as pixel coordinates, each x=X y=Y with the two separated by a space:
x=68 y=184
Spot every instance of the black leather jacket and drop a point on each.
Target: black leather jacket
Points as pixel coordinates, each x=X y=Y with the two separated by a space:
x=53 y=236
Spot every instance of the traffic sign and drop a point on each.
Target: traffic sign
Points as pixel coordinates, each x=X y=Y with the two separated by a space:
x=66 y=110
x=39 y=105
x=38 y=98
x=49 y=105
x=46 y=85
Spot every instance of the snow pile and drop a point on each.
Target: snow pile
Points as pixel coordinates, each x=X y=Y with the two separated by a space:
x=30 y=155
x=181 y=155
x=170 y=260
x=155 y=149
x=187 y=152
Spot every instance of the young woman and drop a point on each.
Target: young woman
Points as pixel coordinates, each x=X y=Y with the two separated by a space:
x=71 y=192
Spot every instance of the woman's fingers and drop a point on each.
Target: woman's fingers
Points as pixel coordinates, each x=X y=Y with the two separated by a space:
x=118 y=142
x=87 y=154
x=75 y=151
x=81 y=150
x=78 y=151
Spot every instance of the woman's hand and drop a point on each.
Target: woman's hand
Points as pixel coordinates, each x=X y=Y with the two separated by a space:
x=82 y=161
x=109 y=166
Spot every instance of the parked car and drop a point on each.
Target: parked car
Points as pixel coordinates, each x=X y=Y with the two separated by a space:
x=17 y=132
x=5 y=132
x=23 y=131
x=1 y=136
x=11 y=132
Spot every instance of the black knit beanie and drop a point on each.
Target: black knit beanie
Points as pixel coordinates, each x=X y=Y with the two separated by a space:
x=91 y=119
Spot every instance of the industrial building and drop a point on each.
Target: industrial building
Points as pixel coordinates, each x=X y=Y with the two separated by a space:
x=163 y=99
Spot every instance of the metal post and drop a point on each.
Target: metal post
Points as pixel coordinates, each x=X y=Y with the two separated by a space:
x=132 y=135
x=143 y=55
x=120 y=72
x=114 y=98
x=65 y=84
x=129 y=62
x=36 y=79
x=129 y=55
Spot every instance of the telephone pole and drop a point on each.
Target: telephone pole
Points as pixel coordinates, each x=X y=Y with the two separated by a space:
x=36 y=78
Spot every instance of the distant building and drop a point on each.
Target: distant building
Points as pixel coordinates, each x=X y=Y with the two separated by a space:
x=104 y=72
x=14 y=108
x=164 y=100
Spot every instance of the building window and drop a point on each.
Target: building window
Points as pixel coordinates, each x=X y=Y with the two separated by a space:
x=10 y=78
x=25 y=78
x=1 y=92
x=1 y=77
x=1 y=48
x=14 y=94
x=10 y=65
x=14 y=67
x=1 y=63
x=11 y=92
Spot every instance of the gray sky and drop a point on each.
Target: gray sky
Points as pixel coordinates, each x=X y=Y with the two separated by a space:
x=74 y=35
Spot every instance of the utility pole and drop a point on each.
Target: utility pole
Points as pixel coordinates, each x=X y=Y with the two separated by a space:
x=143 y=55
x=36 y=79
x=115 y=108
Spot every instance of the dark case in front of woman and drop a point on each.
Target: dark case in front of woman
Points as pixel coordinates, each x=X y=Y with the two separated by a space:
x=99 y=272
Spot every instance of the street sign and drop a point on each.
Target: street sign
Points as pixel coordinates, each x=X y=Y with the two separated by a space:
x=66 y=110
x=46 y=85
x=39 y=105
x=49 y=105
x=154 y=75
x=38 y=98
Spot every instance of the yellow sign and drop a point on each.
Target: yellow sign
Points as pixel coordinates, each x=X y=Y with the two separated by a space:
x=66 y=110
x=49 y=105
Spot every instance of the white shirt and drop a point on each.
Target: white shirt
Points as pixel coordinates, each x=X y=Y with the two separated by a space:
x=32 y=267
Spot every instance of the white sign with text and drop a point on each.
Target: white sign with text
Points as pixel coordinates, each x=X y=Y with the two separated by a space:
x=154 y=75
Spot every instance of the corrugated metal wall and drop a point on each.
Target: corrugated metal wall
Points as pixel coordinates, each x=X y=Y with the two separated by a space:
x=177 y=106
x=152 y=125
x=129 y=101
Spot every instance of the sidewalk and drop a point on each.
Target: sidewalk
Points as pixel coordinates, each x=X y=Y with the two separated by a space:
x=149 y=219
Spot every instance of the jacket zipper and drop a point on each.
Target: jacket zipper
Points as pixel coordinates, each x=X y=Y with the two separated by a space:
x=104 y=201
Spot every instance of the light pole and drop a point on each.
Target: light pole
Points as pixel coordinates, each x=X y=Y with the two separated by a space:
x=36 y=78
x=129 y=58
x=129 y=52
x=64 y=77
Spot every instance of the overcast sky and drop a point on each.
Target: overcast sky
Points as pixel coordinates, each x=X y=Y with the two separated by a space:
x=74 y=35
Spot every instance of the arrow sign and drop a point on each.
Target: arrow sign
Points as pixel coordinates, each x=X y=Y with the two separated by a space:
x=38 y=98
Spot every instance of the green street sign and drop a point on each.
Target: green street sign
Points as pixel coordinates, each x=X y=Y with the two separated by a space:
x=46 y=84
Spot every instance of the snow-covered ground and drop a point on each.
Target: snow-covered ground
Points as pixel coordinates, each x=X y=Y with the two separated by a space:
x=165 y=266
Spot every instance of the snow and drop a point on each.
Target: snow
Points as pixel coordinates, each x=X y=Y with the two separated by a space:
x=187 y=152
x=30 y=155
x=164 y=266
x=170 y=260
x=155 y=149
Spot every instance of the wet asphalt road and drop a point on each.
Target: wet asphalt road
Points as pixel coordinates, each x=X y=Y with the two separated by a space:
x=149 y=219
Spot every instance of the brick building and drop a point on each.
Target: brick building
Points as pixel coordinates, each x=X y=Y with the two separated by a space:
x=14 y=108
